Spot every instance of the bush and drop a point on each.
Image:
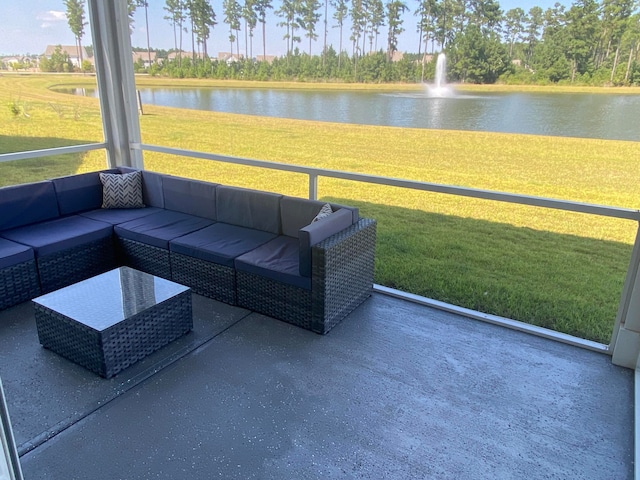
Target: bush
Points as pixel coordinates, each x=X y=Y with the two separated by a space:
x=87 y=66
x=14 y=108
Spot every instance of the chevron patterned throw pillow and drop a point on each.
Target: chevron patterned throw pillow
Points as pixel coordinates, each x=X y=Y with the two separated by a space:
x=325 y=211
x=121 y=190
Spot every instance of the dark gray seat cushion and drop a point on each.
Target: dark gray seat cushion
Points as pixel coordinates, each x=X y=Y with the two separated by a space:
x=25 y=204
x=161 y=227
x=220 y=243
x=12 y=253
x=53 y=236
x=277 y=260
x=115 y=216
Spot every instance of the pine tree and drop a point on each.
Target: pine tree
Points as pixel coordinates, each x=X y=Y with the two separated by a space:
x=75 y=18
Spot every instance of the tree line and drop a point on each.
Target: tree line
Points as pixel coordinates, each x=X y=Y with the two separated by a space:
x=589 y=42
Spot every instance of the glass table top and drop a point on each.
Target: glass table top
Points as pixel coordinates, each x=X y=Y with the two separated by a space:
x=106 y=299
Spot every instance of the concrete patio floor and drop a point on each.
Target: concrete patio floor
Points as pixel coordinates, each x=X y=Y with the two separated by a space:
x=396 y=391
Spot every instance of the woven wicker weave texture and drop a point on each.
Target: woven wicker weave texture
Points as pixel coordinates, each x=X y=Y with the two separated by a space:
x=204 y=278
x=18 y=283
x=342 y=273
x=75 y=264
x=114 y=349
x=143 y=257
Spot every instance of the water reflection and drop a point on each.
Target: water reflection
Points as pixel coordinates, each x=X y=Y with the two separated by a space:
x=607 y=116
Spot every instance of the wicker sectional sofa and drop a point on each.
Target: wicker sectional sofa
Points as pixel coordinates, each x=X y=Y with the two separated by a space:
x=255 y=249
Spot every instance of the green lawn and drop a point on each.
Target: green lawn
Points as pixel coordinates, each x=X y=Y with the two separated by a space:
x=556 y=269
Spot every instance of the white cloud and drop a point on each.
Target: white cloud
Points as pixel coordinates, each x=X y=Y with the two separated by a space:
x=51 y=18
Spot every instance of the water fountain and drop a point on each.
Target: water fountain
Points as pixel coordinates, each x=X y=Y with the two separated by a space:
x=439 y=89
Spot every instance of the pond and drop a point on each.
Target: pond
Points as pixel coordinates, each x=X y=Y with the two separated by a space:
x=606 y=116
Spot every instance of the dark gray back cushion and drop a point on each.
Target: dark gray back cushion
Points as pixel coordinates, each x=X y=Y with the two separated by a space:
x=151 y=187
x=26 y=204
x=297 y=213
x=189 y=196
x=79 y=193
x=248 y=208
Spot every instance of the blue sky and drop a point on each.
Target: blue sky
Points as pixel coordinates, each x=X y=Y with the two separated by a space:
x=28 y=26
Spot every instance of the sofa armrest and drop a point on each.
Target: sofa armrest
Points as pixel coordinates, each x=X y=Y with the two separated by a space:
x=342 y=273
x=317 y=232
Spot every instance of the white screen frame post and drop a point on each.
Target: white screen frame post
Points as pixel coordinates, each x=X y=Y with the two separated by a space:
x=9 y=460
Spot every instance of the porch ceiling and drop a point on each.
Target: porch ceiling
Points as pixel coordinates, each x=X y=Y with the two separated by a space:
x=396 y=390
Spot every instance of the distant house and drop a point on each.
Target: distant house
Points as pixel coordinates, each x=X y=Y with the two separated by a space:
x=72 y=51
x=144 y=58
x=183 y=54
x=22 y=62
x=265 y=58
x=229 y=57
x=397 y=56
x=9 y=62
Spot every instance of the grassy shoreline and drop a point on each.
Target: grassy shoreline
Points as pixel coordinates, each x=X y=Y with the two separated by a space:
x=149 y=81
x=555 y=269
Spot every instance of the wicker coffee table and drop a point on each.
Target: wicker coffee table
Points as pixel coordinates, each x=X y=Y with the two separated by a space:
x=108 y=322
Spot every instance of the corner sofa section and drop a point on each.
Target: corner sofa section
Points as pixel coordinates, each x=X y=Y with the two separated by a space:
x=66 y=247
x=255 y=249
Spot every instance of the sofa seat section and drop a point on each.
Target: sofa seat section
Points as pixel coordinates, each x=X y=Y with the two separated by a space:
x=67 y=249
x=278 y=260
x=204 y=260
x=18 y=273
x=143 y=243
x=116 y=216
x=12 y=253
x=268 y=281
x=220 y=243
x=53 y=236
